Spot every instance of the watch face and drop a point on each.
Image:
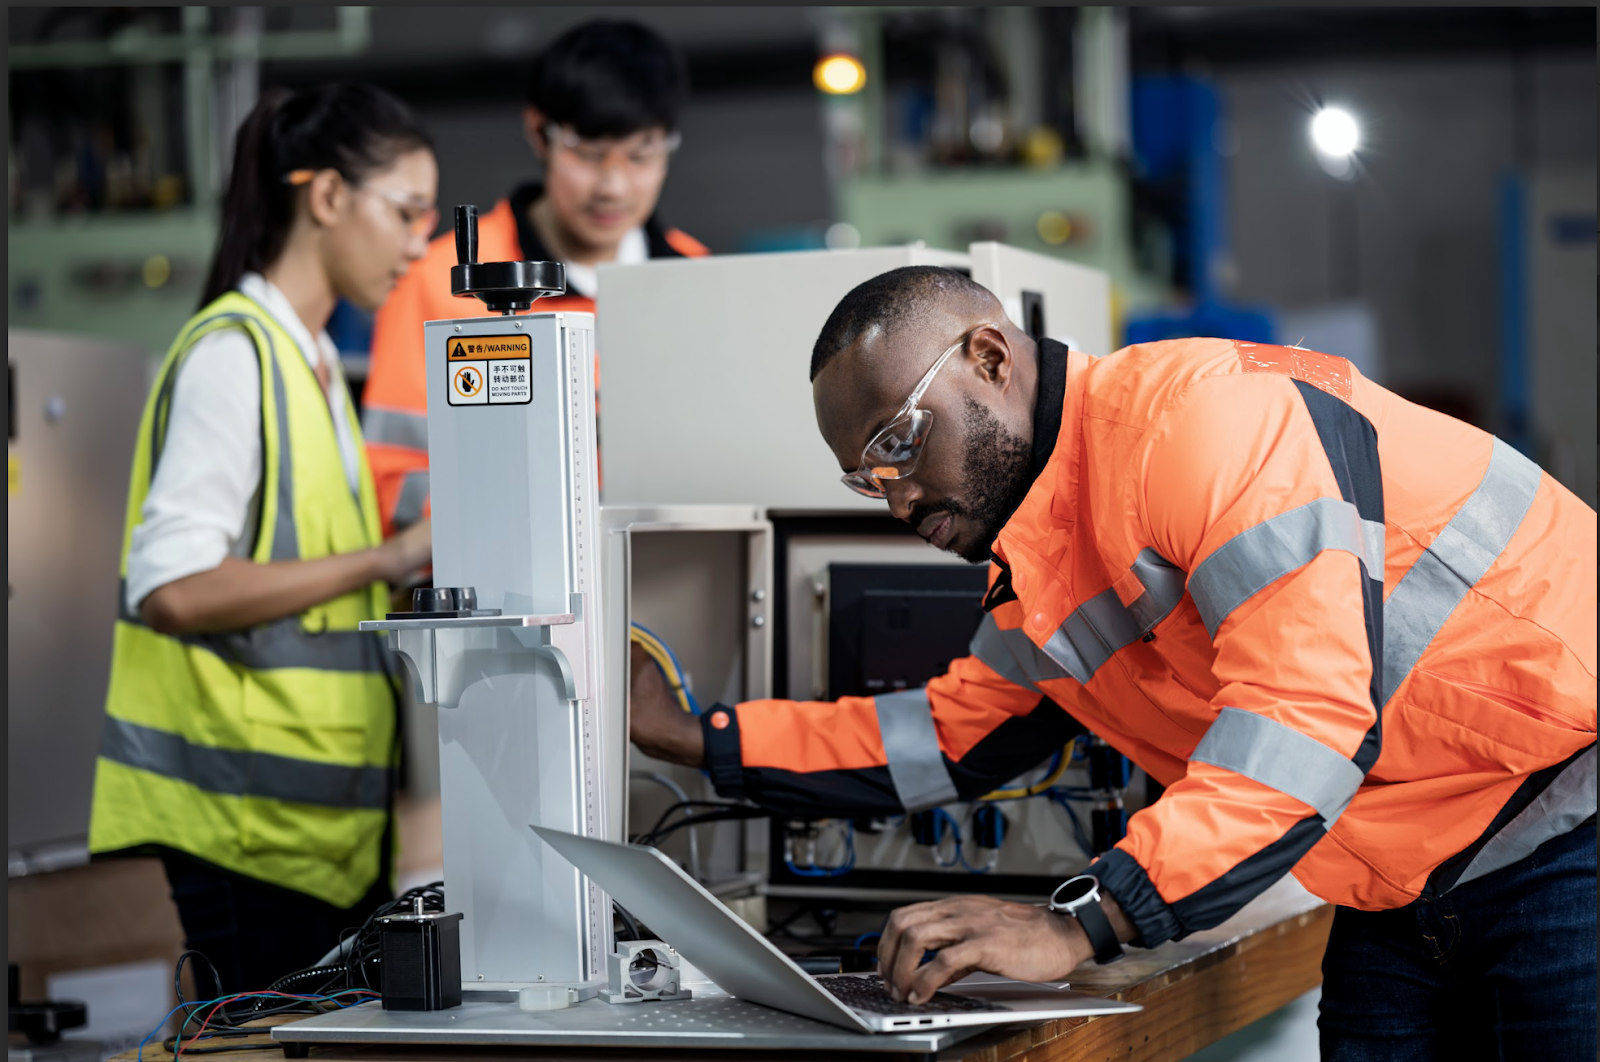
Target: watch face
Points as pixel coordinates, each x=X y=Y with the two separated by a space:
x=1073 y=892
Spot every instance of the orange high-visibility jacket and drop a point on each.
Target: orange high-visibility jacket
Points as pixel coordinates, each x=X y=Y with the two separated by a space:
x=1353 y=637
x=394 y=416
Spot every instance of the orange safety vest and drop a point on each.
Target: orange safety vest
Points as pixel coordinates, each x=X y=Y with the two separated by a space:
x=1353 y=637
x=394 y=403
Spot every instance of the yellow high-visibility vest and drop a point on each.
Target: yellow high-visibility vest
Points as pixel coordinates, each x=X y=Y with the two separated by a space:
x=268 y=751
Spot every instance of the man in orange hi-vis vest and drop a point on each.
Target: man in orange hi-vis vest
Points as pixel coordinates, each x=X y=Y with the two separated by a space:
x=602 y=115
x=1352 y=637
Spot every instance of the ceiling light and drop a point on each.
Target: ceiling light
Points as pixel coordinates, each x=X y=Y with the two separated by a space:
x=839 y=74
x=1335 y=133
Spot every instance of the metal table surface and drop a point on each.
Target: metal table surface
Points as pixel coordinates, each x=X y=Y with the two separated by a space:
x=711 y=1020
x=1194 y=992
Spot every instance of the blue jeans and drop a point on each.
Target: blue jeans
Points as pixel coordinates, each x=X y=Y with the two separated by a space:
x=1502 y=967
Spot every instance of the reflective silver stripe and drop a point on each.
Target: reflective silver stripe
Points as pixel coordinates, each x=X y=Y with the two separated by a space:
x=911 y=744
x=1454 y=562
x=1163 y=589
x=285 y=537
x=1281 y=758
x=394 y=427
x=286 y=644
x=1013 y=656
x=413 y=495
x=1102 y=625
x=1259 y=556
x=234 y=772
x=281 y=644
x=1565 y=802
x=1078 y=644
x=285 y=540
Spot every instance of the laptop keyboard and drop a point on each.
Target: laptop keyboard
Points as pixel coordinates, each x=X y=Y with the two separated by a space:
x=869 y=994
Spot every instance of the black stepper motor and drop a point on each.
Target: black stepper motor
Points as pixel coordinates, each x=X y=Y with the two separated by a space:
x=420 y=960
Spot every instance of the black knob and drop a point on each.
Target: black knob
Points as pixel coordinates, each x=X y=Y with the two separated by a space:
x=504 y=287
x=467 y=235
x=433 y=599
x=444 y=599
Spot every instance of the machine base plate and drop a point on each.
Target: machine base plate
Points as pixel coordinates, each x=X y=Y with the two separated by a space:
x=711 y=1019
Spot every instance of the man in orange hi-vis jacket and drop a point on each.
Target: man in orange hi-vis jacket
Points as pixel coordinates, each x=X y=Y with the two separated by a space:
x=602 y=115
x=1352 y=637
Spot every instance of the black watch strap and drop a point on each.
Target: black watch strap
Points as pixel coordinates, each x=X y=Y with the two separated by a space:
x=1107 y=949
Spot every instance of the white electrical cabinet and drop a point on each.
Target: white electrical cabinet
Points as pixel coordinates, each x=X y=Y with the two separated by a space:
x=705 y=365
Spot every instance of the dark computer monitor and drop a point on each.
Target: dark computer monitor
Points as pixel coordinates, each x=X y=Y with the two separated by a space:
x=895 y=626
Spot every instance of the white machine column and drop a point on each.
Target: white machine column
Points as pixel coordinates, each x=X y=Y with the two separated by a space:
x=517 y=674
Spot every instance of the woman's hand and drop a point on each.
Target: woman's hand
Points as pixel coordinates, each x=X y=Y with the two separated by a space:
x=407 y=553
x=240 y=593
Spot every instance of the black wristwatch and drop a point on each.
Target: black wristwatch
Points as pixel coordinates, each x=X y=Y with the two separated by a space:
x=1079 y=897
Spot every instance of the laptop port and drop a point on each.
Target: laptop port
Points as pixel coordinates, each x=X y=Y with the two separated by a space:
x=925 y=1021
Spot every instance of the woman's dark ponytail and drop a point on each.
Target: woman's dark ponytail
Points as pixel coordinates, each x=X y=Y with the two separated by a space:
x=350 y=127
x=250 y=233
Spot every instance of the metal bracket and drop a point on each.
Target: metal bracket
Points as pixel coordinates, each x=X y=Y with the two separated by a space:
x=644 y=971
x=560 y=638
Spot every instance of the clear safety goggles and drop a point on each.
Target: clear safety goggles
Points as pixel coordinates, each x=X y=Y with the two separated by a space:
x=632 y=157
x=420 y=219
x=893 y=453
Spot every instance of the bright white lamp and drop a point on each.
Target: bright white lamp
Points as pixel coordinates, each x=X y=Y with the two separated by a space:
x=1335 y=133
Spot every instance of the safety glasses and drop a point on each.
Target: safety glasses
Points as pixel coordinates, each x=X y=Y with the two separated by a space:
x=419 y=220
x=636 y=158
x=893 y=453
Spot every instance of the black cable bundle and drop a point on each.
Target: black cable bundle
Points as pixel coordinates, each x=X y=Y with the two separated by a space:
x=721 y=811
x=221 y=1023
x=361 y=961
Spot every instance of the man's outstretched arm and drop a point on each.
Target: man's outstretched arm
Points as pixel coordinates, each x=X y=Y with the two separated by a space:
x=965 y=733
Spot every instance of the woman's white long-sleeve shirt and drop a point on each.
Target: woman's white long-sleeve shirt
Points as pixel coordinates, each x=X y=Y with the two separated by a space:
x=207 y=487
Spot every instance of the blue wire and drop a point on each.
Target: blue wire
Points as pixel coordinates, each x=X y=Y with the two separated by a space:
x=863 y=937
x=846 y=867
x=694 y=705
x=968 y=867
x=241 y=996
x=941 y=817
x=1060 y=797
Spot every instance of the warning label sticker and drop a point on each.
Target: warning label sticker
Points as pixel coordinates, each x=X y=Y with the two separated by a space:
x=489 y=370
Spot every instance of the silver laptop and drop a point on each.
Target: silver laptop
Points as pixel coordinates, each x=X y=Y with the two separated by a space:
x=747 y=965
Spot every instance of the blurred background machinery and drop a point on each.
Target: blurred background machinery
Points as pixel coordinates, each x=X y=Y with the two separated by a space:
x=1168 y=148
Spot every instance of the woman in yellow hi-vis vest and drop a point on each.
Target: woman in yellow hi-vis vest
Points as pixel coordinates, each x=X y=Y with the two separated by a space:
x=250 y=738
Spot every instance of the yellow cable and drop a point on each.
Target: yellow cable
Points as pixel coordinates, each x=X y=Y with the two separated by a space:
x=1038 y=787
x=658 y=652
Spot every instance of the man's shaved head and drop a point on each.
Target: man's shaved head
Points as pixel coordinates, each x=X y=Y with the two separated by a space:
x=884 y=336
x=904 y=299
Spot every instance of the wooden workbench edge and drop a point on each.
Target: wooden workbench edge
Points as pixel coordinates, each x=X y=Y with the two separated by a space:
x=1068 y=1039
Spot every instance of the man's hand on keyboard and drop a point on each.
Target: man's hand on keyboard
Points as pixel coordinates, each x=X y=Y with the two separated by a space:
x=974 y=933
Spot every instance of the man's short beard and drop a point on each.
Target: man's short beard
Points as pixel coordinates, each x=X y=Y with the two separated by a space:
x=996 y=475
x=997 y=472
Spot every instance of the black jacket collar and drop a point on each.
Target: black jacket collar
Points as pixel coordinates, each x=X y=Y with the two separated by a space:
x=533 y=248
x=1047 y=402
